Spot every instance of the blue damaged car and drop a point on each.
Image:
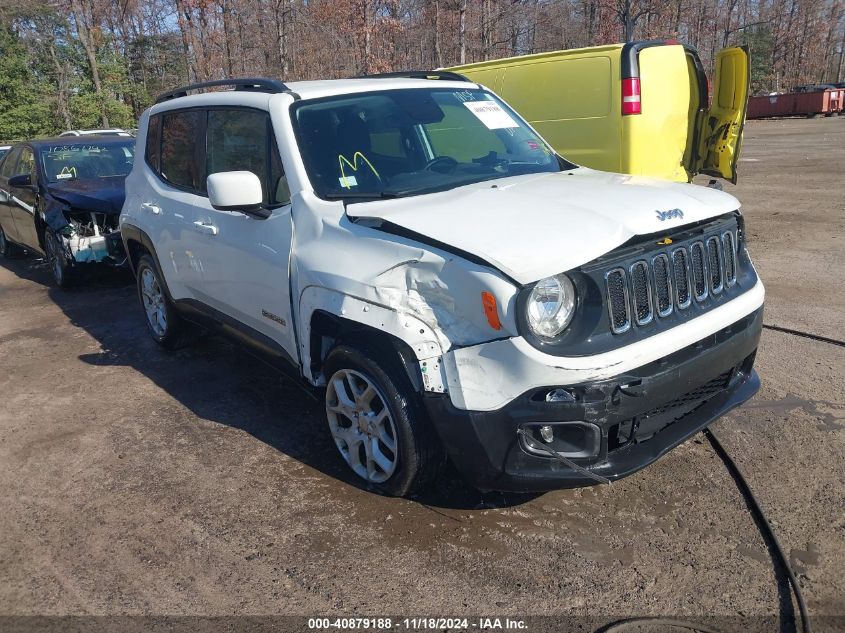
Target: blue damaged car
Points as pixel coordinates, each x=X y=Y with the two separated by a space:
x=61 y=198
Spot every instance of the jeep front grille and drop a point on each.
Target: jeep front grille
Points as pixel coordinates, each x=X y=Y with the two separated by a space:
x=662 y=285
x=714 y=259
x=680 y=263
x=730 y=258
x=699 y=274
x=617 y=300
x=642 y=293
x=699 y=270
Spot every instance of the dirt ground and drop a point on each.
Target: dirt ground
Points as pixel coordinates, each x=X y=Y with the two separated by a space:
x=136 y=482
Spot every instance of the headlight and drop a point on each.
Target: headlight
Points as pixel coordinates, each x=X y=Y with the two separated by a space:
x=550 y=306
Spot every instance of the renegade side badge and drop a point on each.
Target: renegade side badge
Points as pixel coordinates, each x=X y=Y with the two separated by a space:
x=273 y=317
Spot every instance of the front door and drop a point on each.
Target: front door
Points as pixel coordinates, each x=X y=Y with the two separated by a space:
x=720 y=137
x=243 y=261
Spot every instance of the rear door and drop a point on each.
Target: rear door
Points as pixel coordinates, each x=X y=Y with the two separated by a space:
x=23 y=201
x=174 y=185
x=7 y=170
x=720 y=137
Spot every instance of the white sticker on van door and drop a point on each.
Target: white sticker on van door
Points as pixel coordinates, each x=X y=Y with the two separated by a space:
x=491 y=114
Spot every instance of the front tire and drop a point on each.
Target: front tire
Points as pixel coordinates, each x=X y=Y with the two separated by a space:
x=377 y=422
x=163 y=322
x=60 y=267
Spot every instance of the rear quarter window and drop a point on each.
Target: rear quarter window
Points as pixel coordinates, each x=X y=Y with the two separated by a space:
x=152 y=151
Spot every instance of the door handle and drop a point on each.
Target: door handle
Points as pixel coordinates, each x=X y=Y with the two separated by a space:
x=146 y=206
x=208 y=229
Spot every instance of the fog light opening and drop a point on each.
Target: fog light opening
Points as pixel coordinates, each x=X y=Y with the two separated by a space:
x=559 y=395
x=547 y=433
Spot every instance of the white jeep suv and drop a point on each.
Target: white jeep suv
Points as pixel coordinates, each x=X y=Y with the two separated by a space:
x=410 y=248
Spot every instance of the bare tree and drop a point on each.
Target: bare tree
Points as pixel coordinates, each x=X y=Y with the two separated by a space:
x=82 y=11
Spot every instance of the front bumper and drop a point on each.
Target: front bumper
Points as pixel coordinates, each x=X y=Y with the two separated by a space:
x=619 y=425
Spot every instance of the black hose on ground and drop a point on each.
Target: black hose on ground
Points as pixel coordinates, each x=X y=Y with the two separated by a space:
x=636 y=624
x=767 y=532
x=809 y=335
x=763 y=522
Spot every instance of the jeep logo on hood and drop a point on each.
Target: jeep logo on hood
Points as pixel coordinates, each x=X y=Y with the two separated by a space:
x=668 y=215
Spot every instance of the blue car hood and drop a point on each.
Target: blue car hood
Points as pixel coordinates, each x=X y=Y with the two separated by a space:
x=103 y=195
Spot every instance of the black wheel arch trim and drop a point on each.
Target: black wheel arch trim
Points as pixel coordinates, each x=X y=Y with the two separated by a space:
x=131 y=233
x=321 y=319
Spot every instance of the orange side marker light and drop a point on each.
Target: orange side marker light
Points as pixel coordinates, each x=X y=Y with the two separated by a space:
x=491 y=310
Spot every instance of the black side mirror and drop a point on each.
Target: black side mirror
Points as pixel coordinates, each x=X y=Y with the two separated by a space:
x=21 y=180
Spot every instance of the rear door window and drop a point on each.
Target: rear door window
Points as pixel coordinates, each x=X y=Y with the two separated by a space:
x=179 y=156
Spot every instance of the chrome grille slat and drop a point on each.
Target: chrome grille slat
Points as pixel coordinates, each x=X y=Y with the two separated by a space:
x=663 y=299
x=714 y=265
x=641 y=293
x=618 y=301
x=680 y=270
x=698 y=268
x=729 y=242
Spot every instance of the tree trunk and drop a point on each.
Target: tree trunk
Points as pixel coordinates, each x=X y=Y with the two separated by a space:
x=83 y=29
x=462 y=31
x=438 y=53
x=61 y=87
x=282 y=12
x=227 y=39
x=841 y=55
x=186 y=28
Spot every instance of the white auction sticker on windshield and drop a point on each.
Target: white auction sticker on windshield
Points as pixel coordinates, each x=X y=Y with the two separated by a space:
x=491 y=114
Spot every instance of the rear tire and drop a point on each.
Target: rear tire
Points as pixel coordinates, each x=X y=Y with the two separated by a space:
x=163 y=322
x=378 y=423
x=60 y=267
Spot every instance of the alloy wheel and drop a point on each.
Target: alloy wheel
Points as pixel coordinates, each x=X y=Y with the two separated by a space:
x=362 y=426
x=153 y=299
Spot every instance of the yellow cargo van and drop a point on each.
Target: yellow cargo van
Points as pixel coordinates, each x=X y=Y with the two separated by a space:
x=638 y=108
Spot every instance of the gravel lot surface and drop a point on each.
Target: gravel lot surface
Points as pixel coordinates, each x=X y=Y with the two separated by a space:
x=136 y=482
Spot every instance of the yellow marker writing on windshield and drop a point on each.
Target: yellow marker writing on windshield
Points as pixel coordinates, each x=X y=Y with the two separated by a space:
x=353 y=165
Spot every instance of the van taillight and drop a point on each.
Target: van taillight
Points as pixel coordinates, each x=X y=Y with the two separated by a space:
x=631 y=103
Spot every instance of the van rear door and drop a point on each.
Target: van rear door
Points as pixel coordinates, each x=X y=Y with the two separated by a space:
x=720 y=135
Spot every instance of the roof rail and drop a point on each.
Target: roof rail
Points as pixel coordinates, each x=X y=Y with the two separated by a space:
x=443 y=75
x=251 y=84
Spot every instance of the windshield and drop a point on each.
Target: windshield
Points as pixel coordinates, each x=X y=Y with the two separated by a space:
x=394 y=143
x=86 y=161
x=3 y=152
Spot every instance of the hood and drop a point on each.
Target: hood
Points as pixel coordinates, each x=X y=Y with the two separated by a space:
x=103 y=195
x=538 y=225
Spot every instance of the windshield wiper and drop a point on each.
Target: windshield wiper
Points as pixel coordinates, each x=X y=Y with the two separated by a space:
x=364 y=195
